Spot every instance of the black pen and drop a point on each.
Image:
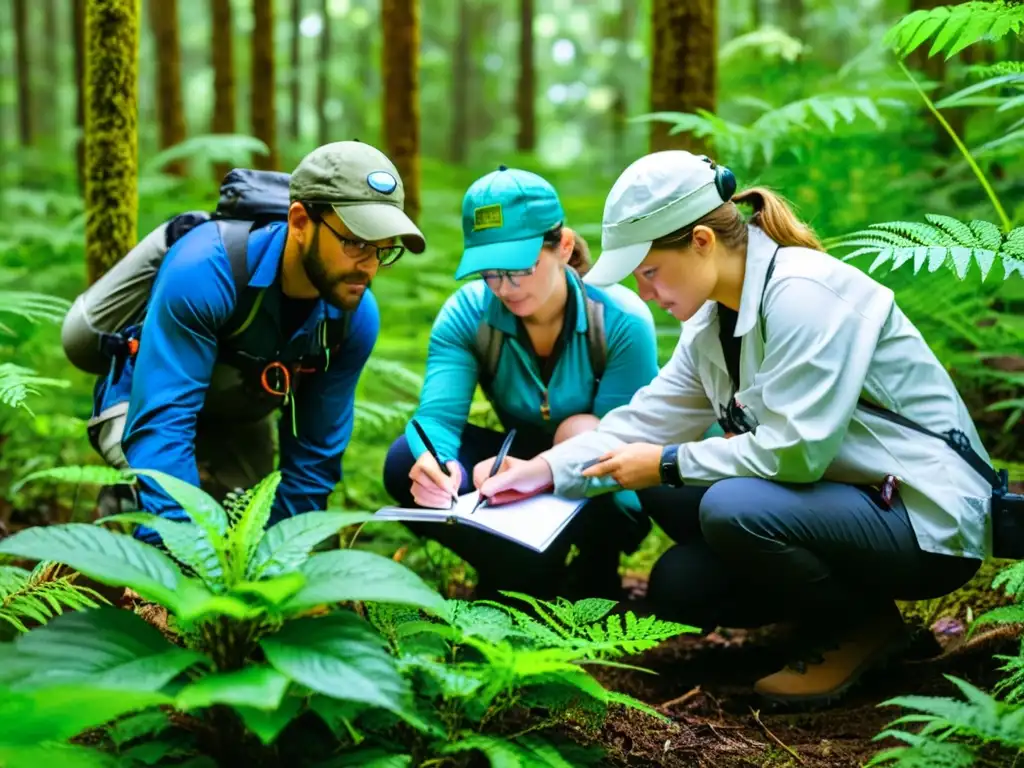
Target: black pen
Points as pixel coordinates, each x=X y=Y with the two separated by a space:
x=433 y=452
x=498 y=461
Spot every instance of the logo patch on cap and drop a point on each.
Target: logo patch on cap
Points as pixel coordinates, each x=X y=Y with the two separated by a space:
x=382 y=181
x=487 y=217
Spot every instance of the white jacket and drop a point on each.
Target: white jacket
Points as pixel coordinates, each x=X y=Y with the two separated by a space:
x=833 y=334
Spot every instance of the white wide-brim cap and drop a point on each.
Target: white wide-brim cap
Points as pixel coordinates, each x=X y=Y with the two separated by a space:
x=656 y=195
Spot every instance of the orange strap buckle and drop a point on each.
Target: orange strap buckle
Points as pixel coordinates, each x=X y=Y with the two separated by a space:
x=286 y=378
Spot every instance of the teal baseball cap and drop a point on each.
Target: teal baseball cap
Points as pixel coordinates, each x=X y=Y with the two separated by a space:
x=504 y=217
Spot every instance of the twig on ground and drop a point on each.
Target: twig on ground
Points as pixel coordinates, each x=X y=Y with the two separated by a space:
x=680 y=699
x=757 y=719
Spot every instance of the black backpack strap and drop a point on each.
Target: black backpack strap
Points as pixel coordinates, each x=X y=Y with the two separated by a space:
x=235 y=235
x=488 y=349
x=597 y=343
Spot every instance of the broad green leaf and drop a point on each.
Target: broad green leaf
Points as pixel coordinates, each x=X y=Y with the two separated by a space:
x=91 y=474
x=108 y=557
x=135 y=727
x=154 y=752
x=195 y=601
x=351 y=574
x=268 y=724
x=274 y=591
x=187 y=542
x=62 y=712
x=257 y=687
x=286 y=545
x=62 y=755
x=201 y=508
x=338 y=655
x=367 y=758
x=105 y=648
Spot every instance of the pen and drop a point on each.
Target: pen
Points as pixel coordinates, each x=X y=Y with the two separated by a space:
x=498 y=461
x=433 y=452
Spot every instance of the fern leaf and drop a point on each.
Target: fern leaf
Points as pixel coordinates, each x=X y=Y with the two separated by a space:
x=41 y=594
x=244 y=537
x=91 y=474
x=922 y=753
x=1006 y=614
x=1011 y=579
x=955 y=27
x=995 y=70
x=17 y=383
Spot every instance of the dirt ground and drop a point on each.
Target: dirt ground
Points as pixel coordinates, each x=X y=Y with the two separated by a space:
x=718 y=723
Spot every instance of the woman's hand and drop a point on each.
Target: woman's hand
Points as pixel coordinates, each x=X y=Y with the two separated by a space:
x=482 y=470
x=430 y=486
x=633 y=466
x=520 y=480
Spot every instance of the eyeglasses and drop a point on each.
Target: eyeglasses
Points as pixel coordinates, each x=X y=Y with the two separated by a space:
x=360 y=250
x=493 y=277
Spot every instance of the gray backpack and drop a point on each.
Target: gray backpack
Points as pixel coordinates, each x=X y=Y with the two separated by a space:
x=91 y=332
x=489 y=341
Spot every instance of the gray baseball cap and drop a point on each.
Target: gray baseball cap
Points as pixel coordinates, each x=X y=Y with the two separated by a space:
x=363 y=187
x=656 y=195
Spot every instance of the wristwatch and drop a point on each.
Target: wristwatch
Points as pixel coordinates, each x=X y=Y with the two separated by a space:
x=670 y=466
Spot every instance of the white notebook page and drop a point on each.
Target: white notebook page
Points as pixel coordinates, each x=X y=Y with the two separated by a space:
x=535 y=521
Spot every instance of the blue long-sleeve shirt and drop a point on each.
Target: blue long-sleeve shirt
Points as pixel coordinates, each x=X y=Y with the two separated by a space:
x=518 y=389
x=193 y=298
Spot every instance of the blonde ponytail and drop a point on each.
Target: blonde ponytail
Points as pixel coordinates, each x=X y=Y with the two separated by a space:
x=774 y=216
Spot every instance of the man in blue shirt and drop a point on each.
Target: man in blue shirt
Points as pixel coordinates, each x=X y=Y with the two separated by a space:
x=214 y=364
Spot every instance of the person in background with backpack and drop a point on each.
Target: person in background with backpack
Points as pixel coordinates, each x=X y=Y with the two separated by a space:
x=829 y=503
x=265 y=308
x=552 y=356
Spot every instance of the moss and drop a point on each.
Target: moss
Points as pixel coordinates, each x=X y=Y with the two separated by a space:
x=684 y=67
x=111 y=144
x=976 y=596
x=400 y=21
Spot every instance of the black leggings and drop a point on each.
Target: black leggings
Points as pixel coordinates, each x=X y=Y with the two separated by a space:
x=751 y=552
x=601 y=531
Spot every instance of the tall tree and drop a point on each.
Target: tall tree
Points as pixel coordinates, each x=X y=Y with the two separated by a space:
x=79 y=38
x=51 y=33
x=526 y=88
x=296 y=73
x=458 y=144
x=223 y=56
x=262 y=104
x=400 y=23
x=163 y=18
x=683 y=71
x=322 y=74
x=25 y=107
x=111 y=118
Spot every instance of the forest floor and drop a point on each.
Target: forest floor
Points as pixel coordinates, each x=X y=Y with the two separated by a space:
x=704 y=685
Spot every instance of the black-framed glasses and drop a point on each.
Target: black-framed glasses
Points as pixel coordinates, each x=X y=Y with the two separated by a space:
x=359 y=250
x=493 y=277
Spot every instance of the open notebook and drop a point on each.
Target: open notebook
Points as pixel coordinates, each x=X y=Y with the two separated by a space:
x=534 y=522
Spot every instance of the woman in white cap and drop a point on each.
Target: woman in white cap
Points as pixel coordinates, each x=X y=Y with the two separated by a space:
x=821 y=506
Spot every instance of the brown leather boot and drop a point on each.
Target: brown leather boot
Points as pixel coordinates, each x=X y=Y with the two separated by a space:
x=827 y=672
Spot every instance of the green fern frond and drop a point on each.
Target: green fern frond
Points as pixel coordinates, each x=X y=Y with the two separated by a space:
x=244 y=536
x=17 y=383
x=34 y=307
x=922 y=752
x=943 y=241
x=985 y=71
x=1011 y=579
x=91 y=474
x=397 y=376
x=40 y=594
x=1011 y=687
x=955 y=27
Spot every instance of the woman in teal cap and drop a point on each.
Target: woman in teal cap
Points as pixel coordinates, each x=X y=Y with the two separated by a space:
x=552 y=356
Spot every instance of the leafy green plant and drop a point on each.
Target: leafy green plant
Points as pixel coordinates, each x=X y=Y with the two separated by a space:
x=955 y=27
x=39 y=595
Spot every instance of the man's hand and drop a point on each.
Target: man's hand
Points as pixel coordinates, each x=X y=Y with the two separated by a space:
x=633 y=466
x=430 y=486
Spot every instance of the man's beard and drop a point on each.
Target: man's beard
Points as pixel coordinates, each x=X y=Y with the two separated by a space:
x=328 y=286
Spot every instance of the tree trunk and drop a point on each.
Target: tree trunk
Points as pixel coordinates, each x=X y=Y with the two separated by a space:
x=51 y=31
x=792 y=12
x=458 y=145
x=79 y=37
x=323 y=69
x=111 y=144
x=526 y=90
x=222 y=48
x=683 y=68
x=296 y=73
x=264 y=116
x=25 y=107
x=400 y=25
x=170 y=111
x=620 y=106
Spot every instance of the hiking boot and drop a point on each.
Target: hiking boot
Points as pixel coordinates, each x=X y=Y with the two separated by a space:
x=828 y=670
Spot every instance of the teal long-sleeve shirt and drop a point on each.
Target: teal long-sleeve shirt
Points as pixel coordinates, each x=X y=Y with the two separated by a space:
x=518 y=391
